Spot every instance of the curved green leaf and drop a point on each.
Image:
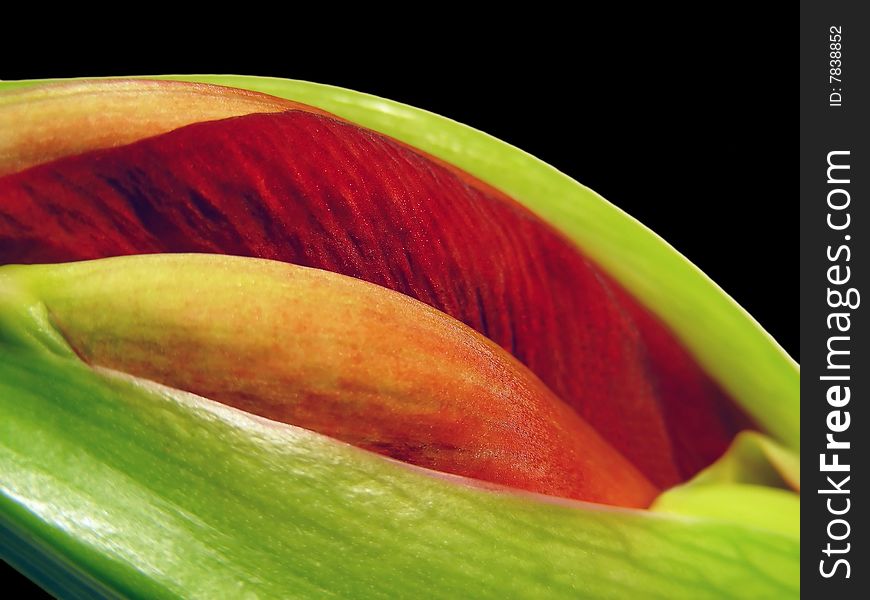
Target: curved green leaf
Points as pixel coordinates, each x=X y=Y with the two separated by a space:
x=759 y=506
x=152 y=492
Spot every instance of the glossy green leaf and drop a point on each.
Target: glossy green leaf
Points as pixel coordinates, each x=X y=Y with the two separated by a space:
x=150 y=492
x=758 y=506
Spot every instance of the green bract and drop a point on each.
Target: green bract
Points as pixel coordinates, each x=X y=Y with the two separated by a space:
x=117 y=486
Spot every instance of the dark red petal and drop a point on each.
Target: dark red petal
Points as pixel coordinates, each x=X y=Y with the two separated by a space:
x=312 y=190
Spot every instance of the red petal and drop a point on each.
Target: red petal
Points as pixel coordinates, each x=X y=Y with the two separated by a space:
x=312 y=190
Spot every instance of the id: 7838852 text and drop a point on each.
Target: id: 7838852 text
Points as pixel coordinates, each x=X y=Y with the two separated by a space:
x=835 y=76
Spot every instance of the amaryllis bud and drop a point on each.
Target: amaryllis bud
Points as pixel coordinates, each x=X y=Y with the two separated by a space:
x=602 y=378
x=308 y=189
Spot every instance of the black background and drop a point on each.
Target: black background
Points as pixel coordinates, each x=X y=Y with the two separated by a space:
x=690 y=126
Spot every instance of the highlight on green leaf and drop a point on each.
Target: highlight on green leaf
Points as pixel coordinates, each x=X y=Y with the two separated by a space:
x=296 y=340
